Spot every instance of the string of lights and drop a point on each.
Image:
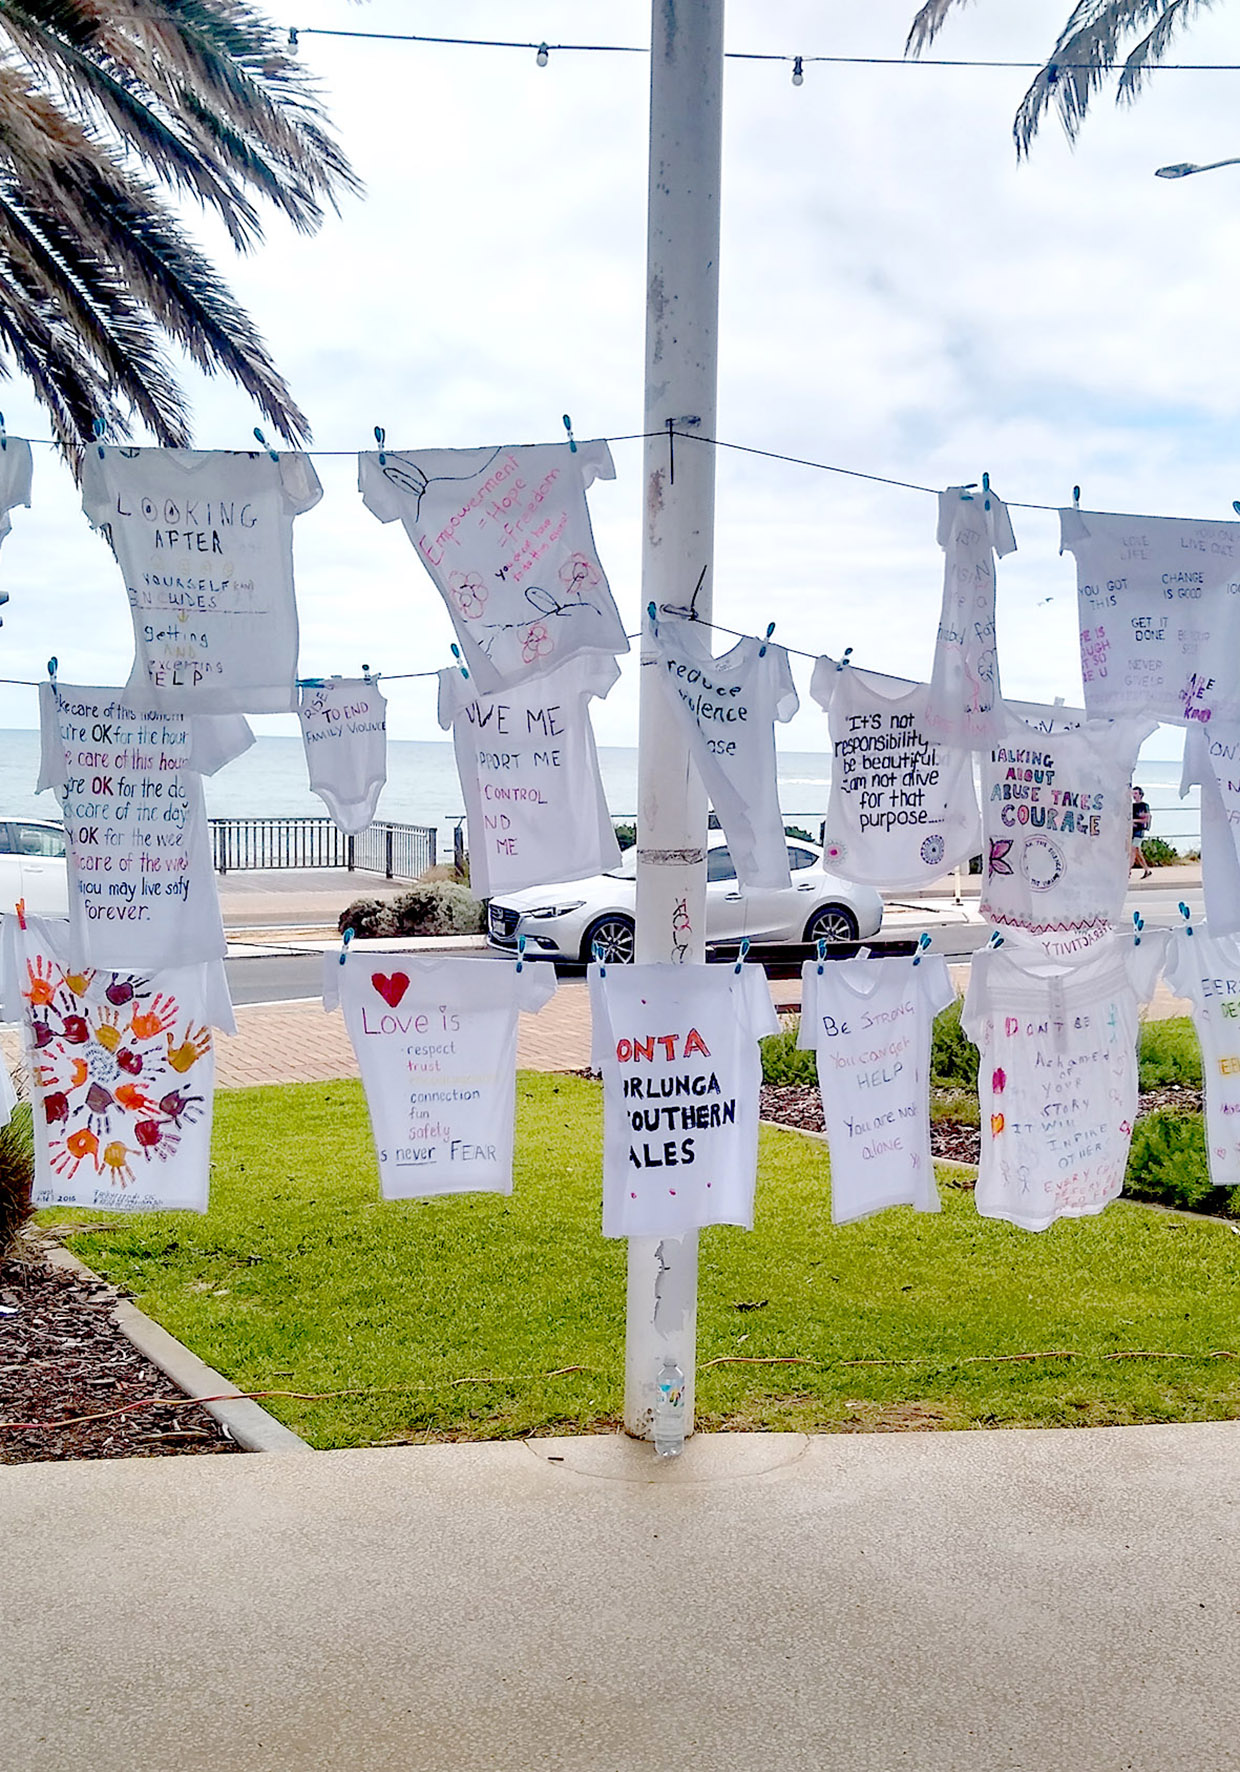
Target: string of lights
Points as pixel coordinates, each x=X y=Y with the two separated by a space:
x=544 y=51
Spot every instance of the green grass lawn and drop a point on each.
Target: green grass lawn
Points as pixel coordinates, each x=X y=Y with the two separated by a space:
x=480 y=1317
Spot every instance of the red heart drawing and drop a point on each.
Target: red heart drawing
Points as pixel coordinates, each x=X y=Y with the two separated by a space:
x=390 y=989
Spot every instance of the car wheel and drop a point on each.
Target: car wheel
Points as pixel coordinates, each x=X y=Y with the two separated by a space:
x=613 y=938
x=833 y=923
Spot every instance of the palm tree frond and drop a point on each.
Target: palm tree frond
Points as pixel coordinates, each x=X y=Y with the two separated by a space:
x=928 y=23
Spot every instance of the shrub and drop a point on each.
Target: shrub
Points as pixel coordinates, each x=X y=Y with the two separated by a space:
x=1167 y=1163
x=953 y=1056
x=1169 y=1055
x=796 y=831
x=782 y=1062
x=1158 y=853
x=16 y=1177
x=437 y=908
x=626 y=835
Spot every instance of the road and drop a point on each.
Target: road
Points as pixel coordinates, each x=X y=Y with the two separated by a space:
x=281 y=976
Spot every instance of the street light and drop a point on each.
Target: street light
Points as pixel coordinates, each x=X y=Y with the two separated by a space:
x=1182 y=168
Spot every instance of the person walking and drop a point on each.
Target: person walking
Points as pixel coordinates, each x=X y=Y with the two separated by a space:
x=1141 y=820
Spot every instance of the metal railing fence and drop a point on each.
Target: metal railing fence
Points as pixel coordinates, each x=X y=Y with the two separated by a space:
x=398 y=851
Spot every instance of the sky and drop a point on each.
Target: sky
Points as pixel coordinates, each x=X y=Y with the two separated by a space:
x=899 y=296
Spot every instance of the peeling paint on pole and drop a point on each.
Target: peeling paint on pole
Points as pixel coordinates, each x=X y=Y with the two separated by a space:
x=682 y=310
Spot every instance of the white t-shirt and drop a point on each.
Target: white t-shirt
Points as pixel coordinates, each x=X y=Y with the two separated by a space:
x=1058 y=1078
x=870 y=1021
x=1212 y=762
x=16 y=470
x=903 y=809
x=436 y=1042
x=122 y=1069
x=529 y=773
x=1057 y=818
x=505 y=534
x=1158 y=600
x=727 y=708
x=205 y=541
x=344 y=730
x=1205 y=968
x=964 y=701
x=129 y=781
x=678 y=1049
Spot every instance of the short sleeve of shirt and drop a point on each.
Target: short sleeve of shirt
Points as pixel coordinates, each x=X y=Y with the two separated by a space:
x=809 y=1006
x=12 y=1005
x=535 y=986
x=1072 y=529
x=52 y=752
x=95 y=498
x=302 y=486
x=379 y=495
x=331 y=978
x=935 y=981
x=976 y=1004
x=600 y=672
x=216 y=739
x=1178 y=972
x=594 y=463
x=16 y=473
x=450 y=699
x=1196 y=760
x=757 y=1007
x=1147 y=960
x=600 y=1021
x=1002 y=535
x=217 y=1007
x=822 y=683
x=787 y=700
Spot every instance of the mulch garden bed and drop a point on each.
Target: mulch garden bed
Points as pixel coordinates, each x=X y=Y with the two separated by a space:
x=62 y=1357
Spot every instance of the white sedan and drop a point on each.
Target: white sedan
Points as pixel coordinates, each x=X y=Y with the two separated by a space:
x=571 y=921
x=33 y=867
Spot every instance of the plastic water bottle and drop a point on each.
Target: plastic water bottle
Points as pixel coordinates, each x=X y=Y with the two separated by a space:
x=669 y=1411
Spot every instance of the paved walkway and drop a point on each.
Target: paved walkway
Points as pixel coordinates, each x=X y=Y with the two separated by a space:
x=1055 y=1601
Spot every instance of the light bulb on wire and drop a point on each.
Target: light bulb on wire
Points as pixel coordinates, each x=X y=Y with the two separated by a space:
x=798 y=71
x=543 y=56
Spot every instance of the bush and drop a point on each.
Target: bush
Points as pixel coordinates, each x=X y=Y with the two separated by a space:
x=1158 y=853
x=1167 y=1163
x=626 y=835
x=1169 y=1054
x=16 y=1177
x=437 y=908
x=782 y=1062
x=796 y=831
x=953 y=1056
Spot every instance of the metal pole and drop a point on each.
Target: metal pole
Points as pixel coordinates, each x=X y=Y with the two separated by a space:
x=682 y=311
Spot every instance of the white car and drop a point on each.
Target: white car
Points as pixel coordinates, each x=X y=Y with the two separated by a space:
x=569 y=921
x=33 y=867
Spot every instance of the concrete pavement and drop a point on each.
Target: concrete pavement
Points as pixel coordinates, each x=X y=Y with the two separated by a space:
x=1063 y=1600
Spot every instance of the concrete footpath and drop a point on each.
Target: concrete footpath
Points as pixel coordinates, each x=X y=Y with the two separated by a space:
x=1064 y=1601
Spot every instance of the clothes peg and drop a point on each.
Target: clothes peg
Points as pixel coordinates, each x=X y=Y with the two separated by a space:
x=366 y=676
x=770 y=629
x=1076 y=497
x=520 y=952
x=740 y=958
x=1187 y=916
x=653 y=613
x=267 y=446
x=380 y=436
x=986 y=490
x=923 y=942
x=845 y=659
x=345 y=939
x=568 y=426
x=966 y=491
x=98 y=428
x=4 y=441
x=460 y=662
x=597 y=951
x=1138 y=924
x=822 y=952
x=51 y=667
x=996 y=940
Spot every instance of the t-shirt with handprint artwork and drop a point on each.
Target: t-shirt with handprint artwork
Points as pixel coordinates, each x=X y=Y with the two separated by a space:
x=1057 y=821
x=122 y=1073
x=505 y=535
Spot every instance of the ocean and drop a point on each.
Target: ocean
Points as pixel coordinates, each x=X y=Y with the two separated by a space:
x=422 y=788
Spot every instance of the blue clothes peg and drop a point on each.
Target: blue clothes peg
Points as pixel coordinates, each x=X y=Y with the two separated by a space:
x=845 y=659
x=568 y=426
x=822 y=952
x=460 y=662
x=345 y=939
x=98 y=428
x=1187 y=916
x=986 y=491
x=267 y=446
x=770 y=629
x=597 y=951
x=520 y=952
x=740 y=958
x=380 y=438
x=51 y=667
x=923 y=942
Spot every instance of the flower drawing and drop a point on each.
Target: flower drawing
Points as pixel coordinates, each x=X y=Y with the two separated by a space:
x=932 y=851
x=578 y=573
x=535 y=642
x=468 y=593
